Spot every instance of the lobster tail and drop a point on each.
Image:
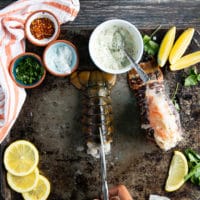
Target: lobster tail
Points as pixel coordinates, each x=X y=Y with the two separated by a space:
x=159 y=116
x=96 y=107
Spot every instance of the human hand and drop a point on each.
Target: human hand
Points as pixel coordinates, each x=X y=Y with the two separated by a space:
x=119 y=192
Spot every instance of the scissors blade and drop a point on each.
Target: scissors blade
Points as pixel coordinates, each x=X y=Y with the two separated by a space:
x=103 y=169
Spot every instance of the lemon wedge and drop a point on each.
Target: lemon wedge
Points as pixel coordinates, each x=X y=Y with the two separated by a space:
x=181 y=45
x=23 y=183
x=166 y=46
x=177 y=171
x=186 y=61
x=40 y=192
x=21 y=158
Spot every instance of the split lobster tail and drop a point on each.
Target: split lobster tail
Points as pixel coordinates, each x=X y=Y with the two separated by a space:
x=96 y=107
x=159 y=116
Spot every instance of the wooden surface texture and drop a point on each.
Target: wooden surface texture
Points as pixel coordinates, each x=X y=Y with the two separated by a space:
x=144 y=14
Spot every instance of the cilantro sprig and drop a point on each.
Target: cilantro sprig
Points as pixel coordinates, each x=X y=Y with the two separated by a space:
x=174 y=99
x=194 y=166
x=193 y=78
x=151 y=47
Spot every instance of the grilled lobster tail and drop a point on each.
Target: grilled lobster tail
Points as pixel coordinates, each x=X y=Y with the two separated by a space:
x=96 y=107
x=159 y=116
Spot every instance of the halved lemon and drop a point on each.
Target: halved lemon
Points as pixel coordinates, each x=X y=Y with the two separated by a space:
x=177 y=171
x=40 y=192
x=23 y=183
x=21 y=158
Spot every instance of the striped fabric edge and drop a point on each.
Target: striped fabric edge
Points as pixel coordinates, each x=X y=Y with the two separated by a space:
x=12 y=19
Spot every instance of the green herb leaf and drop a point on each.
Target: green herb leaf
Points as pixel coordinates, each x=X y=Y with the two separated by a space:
x=194 y=166
x=191 y=80
x=150 y=46
x=193 y=71
x=176 y=105
x=174 y=100
x=146 y=39
x=193 y=77
x=198 y=77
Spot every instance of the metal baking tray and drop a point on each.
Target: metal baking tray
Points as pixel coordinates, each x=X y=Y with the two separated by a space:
x=50 y=118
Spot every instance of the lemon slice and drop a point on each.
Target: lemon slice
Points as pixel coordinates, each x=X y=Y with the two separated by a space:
x=21 y=158
x=23 y=183
x=178 y=169
x=40 y=192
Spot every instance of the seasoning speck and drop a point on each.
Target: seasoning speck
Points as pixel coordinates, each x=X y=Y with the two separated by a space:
x=42 y=28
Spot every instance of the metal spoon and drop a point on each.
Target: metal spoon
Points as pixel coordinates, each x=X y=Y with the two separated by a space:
x=120 y=45
x=137 y=67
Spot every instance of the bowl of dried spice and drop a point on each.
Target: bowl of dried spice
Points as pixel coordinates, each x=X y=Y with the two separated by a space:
x=42 y=27
x=27 y=70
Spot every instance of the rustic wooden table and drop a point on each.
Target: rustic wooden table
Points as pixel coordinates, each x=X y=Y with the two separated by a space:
x=51 y=124
x=145 y=14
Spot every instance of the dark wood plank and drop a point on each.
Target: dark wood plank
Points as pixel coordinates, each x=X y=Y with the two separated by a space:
x=144 y=14
x=4 y=3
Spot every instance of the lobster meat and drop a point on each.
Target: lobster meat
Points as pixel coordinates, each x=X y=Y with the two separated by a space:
x=159 y=115
x=96 y=107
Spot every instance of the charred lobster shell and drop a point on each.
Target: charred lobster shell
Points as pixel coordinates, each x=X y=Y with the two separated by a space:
x=158 y=114
x=96 y=106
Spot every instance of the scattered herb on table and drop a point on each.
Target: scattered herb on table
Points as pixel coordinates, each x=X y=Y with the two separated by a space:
x=174 y=100
x=29 y=70
x=151 y=47
x=194 y=166
x=193 y=78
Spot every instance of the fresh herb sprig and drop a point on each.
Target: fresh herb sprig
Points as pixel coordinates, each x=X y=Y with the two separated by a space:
x=194 y=166
x=29 y=70
x=174 y=100
x=151 y=47
x=193 y=78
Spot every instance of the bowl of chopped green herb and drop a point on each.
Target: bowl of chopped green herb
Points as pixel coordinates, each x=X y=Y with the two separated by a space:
x=27 y=70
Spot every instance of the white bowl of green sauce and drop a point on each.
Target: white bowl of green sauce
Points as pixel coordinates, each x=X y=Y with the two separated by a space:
x=106 y=40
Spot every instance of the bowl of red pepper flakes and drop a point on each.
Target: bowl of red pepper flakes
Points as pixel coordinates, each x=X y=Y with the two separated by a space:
x=42 y=27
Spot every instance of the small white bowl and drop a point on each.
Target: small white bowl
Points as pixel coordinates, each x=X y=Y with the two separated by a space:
x=99 y=52
x=42 y=14
x=61 y=58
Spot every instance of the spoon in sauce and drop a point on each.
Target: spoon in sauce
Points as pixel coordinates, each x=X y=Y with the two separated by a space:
x=120 y=45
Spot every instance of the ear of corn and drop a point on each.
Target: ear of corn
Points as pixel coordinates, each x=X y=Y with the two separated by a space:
x=166 y=46
x=181 y=45
x=186 y=61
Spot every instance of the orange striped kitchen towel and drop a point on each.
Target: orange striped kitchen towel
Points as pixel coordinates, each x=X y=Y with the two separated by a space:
x=12 y=43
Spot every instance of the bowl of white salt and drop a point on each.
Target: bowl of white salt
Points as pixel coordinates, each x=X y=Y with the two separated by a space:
x=108 y=41
x=61 y=58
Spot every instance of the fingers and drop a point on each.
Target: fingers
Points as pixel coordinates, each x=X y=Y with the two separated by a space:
x=114 y=198
x=121 y=192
